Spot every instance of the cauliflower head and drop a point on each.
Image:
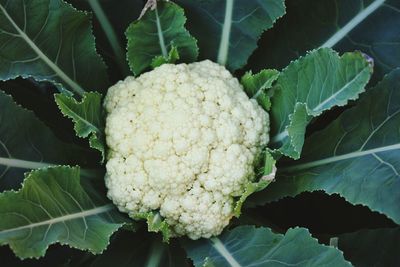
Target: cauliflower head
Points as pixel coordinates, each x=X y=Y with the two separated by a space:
x=183 y=140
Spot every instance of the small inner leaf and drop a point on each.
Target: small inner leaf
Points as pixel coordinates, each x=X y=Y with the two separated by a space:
x=87 y=117
x=159 y=36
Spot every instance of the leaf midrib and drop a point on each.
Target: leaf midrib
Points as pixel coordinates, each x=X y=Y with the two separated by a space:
x=359 y=18
x=69 y=217
x=74 y=86
x=223 y=50
x=224 y=252
x=161 y=35
x=333 y=159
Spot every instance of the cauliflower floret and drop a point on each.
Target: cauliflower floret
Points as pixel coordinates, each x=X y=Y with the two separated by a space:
x=182 y=139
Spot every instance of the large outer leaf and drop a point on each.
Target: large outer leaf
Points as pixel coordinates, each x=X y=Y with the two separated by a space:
x=371 y=26
x=357 y=156
x=156 y=34
x=375 y=247
x=53 y=206
x=49 y=40
x=26 y=143
x=109 y=24
x=87 y=116
x=250 y=246
x=228 y=30
x=309 y=86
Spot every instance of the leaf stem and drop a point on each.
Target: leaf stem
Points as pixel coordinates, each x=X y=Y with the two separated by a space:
x=110 y=33
x=23 y=164
x=156 y=253
x=30 y=165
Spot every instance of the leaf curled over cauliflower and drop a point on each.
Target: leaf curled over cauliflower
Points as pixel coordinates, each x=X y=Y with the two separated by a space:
x=183 y=140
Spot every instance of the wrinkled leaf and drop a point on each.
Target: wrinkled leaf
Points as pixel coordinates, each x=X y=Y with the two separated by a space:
x=26 y=143
x=49 y=40
x=266 y=173
x=228 y=30
x=367 y=25
x=256 y=86
x=309 y=86
x=155 y=34
x=356 y=156
x=155 y=223
x=173 y=56
x=53 y=207
x=87 y=116
x=250 y=246
x=374 y=247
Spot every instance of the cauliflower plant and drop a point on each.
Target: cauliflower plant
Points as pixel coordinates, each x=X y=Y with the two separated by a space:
x=183 y=140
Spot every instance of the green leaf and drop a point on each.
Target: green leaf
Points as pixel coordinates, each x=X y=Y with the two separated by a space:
x=50 y=41
x=356 y=156
x=155 y=34
x=256 y=86
x=173 y=56
x=250 y=246
x=375 y=247
x=53 y=207
x=155 y=223
x=26 y=143
x=268 y=170
x=136 y=249
x=318 y=82
x=87 y=116
x=370 y=26
x=109 y=24
x=228 y=30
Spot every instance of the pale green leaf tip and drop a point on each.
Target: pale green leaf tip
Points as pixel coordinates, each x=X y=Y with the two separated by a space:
x=173 y=56
x=252 y=187
x=155 y=223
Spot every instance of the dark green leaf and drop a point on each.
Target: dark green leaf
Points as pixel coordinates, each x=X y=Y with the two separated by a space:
x=228 y=30
x=367 y=25
x=109 y=24
x=256 y=86
x=26 y=143
x=87 y=116
x=129 y=249
x=356 y=156
x=375 y=247
x=53 y=206
x=49 y=40
x=309 y=86
x=250 y=246
x=155 y=34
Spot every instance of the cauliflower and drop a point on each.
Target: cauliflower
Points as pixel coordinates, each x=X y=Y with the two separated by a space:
x=182 y=140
